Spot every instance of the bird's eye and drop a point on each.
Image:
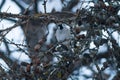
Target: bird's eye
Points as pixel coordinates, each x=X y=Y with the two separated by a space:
x=61 y=27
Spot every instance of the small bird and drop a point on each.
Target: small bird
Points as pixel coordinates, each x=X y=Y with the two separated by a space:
x=63 y=33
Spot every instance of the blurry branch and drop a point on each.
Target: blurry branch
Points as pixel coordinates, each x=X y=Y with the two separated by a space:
x=2 y=3
x=9 y=15
x=10 y=42
x=44 y=4
x=99 y=71
x=7 y=47
x=82 y=2
x=6 y=58
x=19 y=5
x=1 y=71
x=4 y=32
x=35 y=4
x=70 y=5
x=55 y=17
x=51 y=74
x=14 y=26
x=17 y=45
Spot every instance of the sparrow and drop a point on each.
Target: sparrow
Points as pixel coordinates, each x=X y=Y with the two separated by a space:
x=63 y=34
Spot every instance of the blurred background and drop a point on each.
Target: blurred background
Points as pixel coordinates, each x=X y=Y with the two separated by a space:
x=94 y=50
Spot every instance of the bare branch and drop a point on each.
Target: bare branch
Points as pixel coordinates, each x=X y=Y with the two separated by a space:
x=44 y=4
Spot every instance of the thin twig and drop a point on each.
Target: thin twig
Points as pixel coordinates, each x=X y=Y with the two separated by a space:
x=6 y=12
x=14 y=26
x=7 y=47
x=18 y=46
x=51 y=74
x=10 y=42
x=9 y=15
x=44 y=4
x=27 y=9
